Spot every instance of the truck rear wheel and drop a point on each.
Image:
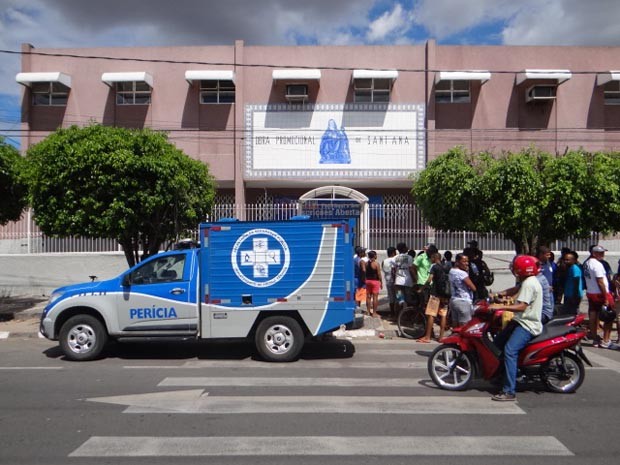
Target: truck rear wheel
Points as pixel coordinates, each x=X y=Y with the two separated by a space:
x=279 y=339
x=82 y=338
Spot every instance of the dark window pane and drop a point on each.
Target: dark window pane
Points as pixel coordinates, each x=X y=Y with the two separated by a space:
x=208 y=97
x=124 y=86
x=443 y=85
x=441 y=97
x=59 y=99
x=41 y=87
x=227 y=85
x=461 y=85
x=142 y=86
x=383 y=84
x=227 y=97
x=142 y=98
x=363 y=96
x=381 y=97
x=40 y=99
x=363 y=83
x=460 y=97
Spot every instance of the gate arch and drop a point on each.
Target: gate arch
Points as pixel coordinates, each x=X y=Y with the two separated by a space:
x=329 y=194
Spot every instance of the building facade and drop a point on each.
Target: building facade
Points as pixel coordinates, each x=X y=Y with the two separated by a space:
x=276 y=124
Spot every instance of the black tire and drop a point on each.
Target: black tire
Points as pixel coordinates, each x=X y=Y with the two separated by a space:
x=279 y=339
x=566 y=377
x=411 y=323
x=450 y=368
x=82 y=338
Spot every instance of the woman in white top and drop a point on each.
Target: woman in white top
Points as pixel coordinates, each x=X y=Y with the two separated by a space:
x=462 y=289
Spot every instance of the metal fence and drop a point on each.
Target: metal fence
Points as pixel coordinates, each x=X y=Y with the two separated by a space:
x=388 y=224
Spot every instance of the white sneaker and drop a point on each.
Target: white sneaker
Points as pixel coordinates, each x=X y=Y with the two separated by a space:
x=605 y=344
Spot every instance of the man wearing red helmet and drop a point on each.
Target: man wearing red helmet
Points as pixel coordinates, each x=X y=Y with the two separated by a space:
x=524 y=326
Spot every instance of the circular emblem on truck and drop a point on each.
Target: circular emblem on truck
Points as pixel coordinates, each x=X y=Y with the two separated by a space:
x=260 y=257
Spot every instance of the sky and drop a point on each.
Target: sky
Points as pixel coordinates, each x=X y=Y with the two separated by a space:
x=109 y=23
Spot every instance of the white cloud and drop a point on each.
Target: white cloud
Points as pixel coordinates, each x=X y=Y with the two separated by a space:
x=565 y=22
x=388 y=24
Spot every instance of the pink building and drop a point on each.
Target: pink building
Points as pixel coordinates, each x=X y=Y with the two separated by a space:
x=276 y=122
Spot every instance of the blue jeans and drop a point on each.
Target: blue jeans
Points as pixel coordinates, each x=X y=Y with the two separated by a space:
x=512 y=339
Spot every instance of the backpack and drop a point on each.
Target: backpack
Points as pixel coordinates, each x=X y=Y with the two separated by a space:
x=487 y=274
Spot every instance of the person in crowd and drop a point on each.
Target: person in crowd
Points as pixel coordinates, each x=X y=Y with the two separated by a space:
x=388 y=278
x=525 y=325
x=597 y=292
x=560 y=275
x=462 y=291
x=573 y=284
x=422 y=266
x=447 y=261
x=479 y=272
x=440 y=289
x=360 y=254
x=547 y=270
x=403 y=275
x=374 y=283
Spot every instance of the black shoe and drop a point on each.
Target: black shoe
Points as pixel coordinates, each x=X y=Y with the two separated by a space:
x=504 y=397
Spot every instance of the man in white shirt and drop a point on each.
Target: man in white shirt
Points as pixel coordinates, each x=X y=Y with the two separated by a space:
x=525 y=325
x=597 y=292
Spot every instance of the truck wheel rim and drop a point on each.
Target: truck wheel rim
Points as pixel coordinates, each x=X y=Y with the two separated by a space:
x=81 y=339
x=279 y=339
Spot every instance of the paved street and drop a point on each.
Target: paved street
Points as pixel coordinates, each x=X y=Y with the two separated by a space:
x=344 y=402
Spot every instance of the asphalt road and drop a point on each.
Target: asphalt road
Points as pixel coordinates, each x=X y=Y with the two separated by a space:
x=344 y=402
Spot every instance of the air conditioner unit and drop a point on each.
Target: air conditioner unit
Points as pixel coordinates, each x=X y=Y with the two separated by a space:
x=540 y=93
x=296 y=92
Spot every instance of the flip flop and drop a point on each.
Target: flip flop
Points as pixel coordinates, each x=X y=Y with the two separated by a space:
x=423 y=341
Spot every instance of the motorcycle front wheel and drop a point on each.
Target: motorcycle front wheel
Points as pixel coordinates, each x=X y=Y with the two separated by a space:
x=450 y=368
x=563 y=373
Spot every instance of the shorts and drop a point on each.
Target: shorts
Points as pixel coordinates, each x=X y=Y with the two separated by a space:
x=404 y=294
x=462 y=311
x=373 y=286
x=596 y=301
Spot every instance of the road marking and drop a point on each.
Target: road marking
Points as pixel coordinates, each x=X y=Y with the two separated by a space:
x=605 y=362
x=197 y=401
x=31 y=368
x=410 y=446
x=288 y=382
x=4 y=334
x=303 y=364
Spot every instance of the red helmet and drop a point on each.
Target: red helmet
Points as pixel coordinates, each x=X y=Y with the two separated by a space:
x=525 y=266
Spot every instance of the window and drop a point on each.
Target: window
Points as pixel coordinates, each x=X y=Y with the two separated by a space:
x=133 y=93
x=160 y=270
x=611 y=91
x=49 y=93
x=217 y=92
x=452 y=92
x=372 y=90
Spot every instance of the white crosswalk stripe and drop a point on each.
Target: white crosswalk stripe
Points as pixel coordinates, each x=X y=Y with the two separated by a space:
x=324 y=446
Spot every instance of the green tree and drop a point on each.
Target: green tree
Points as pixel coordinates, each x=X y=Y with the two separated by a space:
x=12 y=189
x=130 y=185
x=531 y=197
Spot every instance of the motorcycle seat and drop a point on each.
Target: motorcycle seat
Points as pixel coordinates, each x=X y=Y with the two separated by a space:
x=549 y=332
x=560 y=320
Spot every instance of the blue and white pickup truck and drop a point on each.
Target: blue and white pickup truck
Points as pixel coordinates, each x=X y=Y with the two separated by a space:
x=276 y=282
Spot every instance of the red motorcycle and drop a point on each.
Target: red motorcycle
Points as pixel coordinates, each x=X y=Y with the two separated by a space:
x=554 y=357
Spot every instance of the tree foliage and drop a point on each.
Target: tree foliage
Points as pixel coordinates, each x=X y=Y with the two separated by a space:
x=130 y=185
x=12 y=189
x=531 y=197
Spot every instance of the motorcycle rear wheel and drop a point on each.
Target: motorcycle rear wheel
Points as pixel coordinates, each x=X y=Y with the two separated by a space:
x=450 y=368
x=564 y=377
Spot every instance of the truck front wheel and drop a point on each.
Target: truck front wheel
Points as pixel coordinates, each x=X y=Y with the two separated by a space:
x=279 y=339
x=82 y=338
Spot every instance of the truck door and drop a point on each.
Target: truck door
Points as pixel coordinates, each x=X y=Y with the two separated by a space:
x=157 y=297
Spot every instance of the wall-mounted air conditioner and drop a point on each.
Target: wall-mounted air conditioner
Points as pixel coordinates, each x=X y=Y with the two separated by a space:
x=541 y=93
x=296 y=92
